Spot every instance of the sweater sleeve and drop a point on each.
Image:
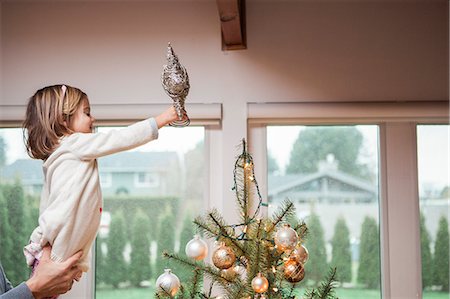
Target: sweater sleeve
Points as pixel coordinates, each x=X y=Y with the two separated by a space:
x=20 y=292
x=8 y=292
x=94 y=145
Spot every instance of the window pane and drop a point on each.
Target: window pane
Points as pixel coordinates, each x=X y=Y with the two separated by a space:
x=331 y=174
x=434 y=194
x=161 y=183
x=151 y=196
x=21 y=182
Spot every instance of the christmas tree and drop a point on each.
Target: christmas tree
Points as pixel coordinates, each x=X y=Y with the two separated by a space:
x=256 y=258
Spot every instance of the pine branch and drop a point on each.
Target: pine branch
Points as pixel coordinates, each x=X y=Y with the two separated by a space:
x=240 y=185
x=208 y=270
x=286 y=209
x=301 y=229
x=161 y=292
x=195 y=283
x=213 y=226
x=220 y=223
x=325 y=289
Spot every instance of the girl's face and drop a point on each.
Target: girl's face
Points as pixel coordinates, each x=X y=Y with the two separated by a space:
x=82 y=121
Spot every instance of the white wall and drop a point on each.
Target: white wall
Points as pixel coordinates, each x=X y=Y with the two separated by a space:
x=297 y=51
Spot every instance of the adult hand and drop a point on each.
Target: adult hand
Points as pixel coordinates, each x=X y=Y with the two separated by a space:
x=52 y=278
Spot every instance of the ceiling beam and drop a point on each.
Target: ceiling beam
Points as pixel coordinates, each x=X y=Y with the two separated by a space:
x=232 y=23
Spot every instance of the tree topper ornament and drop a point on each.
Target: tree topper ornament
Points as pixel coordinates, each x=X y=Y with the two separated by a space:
x=175 y=81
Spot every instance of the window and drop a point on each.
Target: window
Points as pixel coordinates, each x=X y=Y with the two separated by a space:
x=398 y=174
x=145 y=179
x=156 y=192
x=330 y=173
x=21 y=182
x=434 y=198
x=183 y=164
x=105 y=180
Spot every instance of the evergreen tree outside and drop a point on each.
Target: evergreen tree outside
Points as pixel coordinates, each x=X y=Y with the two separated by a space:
x=116 y=268
x=140 y=250
x=15 y=204
x=272 y=165
x=445 y=192
x=195 y=175
x=3 y=147
x=427 y=263
x=100 y=261
x=187 y=234
x=341 y=257
x=165 y=241
x=441 y=255
x=6 y=235
x=369 y=254
x=315 y=242
x=315 y=143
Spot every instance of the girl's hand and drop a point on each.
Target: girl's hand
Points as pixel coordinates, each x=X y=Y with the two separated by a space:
x=167 y=117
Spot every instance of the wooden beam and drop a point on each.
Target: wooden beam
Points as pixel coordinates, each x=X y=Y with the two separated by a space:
x=232 y=23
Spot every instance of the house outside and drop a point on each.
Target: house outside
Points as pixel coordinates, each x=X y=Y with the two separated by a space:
x=330 y=194
x=127 y=173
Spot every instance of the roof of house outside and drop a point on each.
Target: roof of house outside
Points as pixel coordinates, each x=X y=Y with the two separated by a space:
x=30 y=170
x=278 y=184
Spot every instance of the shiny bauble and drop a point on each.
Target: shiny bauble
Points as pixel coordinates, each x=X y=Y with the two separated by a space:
x=286 y=238
x=300 y=253
x=223 y=257
x=260 y=284
x=229 y=273
x=294 y=271
x=196 y=249
x=168 y=283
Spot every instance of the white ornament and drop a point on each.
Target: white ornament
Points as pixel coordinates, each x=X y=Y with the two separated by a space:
x=168 y=283
x=286 y=238
x=196 y=248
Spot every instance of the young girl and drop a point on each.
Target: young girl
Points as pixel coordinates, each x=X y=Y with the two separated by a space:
x=58 y=130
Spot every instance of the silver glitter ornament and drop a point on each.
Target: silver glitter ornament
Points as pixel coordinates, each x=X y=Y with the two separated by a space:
x=175 y=81
x=168 y=283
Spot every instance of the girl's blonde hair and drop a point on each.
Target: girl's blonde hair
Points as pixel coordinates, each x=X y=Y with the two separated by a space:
x=48 y=117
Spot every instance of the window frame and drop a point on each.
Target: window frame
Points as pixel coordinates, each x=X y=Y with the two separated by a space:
x=398 y=177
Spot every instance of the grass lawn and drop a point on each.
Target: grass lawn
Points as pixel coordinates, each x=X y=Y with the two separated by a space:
x=139 y=293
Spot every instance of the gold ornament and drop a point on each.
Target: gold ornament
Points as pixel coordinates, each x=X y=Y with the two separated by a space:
x=294 y=271
x=196 y=248
x=260 y=284
x=300 y=254
x=286 y=238
x=229 y=273
x=168 y=283
x=223 y=257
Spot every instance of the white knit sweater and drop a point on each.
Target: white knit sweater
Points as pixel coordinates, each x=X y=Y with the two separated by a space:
x=71 y=199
